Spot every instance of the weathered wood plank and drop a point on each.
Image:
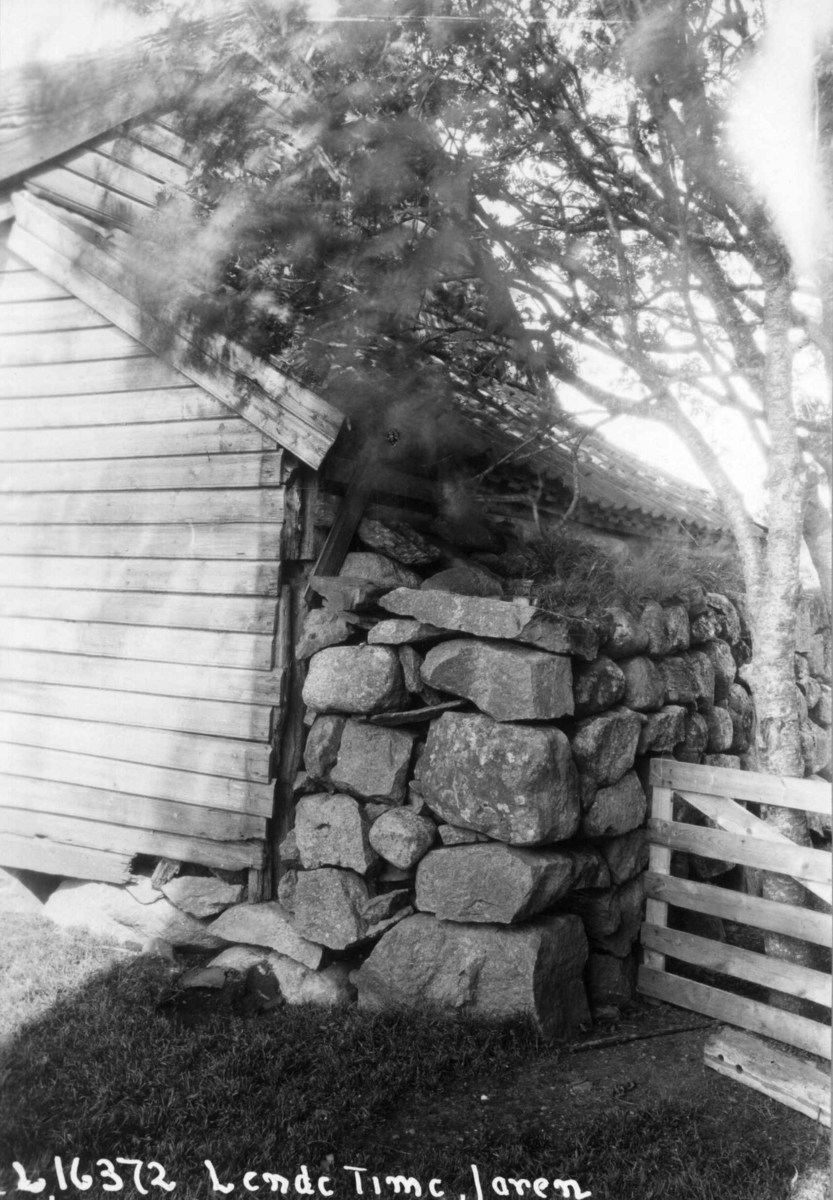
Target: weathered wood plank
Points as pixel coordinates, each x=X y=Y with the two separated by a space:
x=143 y=541
x=161 y=783
x=22 y=286
x=76 y=862
x=94 y=93
x=72 y=346
x=730 y=816
x=295 y=417
x=783 y=976
x=73 y=379
x=148 y=407
x=8 y=261
x=184 y=506
x=94 y=200
x=117 y=176
x=228 y=757
x=45 y=316
x=799 y=861
x=159 y=137
x=167 y=438
x=120 y=808
x=775 y=1023
x=213 y=718
x=253 y=651
x=134 y=151
x=805 y=794
x=186 y=471
x=121 y=839
x=792 y=1081
x=212 y=577
x=737 y=906
x=659 y=862
x=242 y=614
x=123 y=674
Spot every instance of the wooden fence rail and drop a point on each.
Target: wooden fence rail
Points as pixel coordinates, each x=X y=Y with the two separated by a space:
x=739 y=836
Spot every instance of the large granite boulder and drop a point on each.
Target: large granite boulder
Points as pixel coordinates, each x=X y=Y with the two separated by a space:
x=515 y=783
x=492 y=972
x=268 y=925
x=725 y=668
x=501 y=619
x=616 y=809
x=354 y=679
x=721 y=731
x=597 y=685
x=688 y=678
x=742 y=712
x=332 y=831
x=604 y=747
x=625 y=855
x=500 y=883
x=508 y=682
x=654 y=625
x=676 y=623
x=693 y=746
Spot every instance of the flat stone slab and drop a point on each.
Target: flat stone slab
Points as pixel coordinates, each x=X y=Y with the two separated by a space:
x=321 y=628
x=507 y=682
x=500 y=883
x=515 y=783
x=347 y=592
x=465 y=581
x=402 y=631
x=492 y=972
x=500 y=619
x=268 y=925
x=415 y=716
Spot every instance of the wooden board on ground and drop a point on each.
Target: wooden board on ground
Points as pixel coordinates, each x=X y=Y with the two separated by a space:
x=122 y=839
x=787 y=1027
x=799 y=1084
x=53 y=858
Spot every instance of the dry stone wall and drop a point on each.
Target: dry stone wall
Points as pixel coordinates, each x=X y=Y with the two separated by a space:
x=469 y=824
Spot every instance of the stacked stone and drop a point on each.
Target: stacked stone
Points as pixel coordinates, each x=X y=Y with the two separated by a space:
x=472 y=802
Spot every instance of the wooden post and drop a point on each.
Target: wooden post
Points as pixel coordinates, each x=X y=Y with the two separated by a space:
x=659 y=861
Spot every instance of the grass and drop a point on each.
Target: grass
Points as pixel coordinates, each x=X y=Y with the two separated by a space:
x=565 y=572
x=93 y=1069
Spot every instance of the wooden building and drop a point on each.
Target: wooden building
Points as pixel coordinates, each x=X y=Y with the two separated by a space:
x=159 y=509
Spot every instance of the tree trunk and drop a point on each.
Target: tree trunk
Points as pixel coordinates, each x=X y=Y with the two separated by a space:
x=778 y=735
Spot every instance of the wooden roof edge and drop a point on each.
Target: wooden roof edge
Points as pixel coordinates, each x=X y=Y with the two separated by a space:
x=93 y=93
x=293 y=416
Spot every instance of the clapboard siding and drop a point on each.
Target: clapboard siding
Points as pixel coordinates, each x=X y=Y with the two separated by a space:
x=245 y=614
x=110 y=408
x=232 y=684
x=140 y=531
x=141 y=474
x=212 y=717
x=97 y=835
x=123 y=808
x=205 y=578
x=171 y=542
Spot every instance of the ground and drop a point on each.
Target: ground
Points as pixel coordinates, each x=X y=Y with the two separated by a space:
x=97 y=1064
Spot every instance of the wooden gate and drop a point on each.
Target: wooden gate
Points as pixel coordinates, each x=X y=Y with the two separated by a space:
x=740 y=837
